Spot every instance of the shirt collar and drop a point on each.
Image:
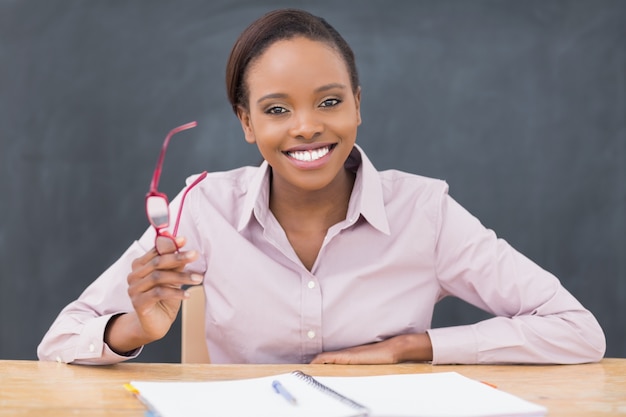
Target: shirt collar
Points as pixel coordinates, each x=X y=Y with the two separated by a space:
x=367 y=194
x=257 y=197
x=366 y=200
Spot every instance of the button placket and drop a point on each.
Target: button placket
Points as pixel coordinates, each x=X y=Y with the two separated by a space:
x=311 y=315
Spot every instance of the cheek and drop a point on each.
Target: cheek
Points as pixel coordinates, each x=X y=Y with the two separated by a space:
x=267 y=136
x=270 y=131
x=345 y=127
x=346 y=121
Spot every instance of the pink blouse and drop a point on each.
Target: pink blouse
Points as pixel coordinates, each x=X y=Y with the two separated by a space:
x=404 y=245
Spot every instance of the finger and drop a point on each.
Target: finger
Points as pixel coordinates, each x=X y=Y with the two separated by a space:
x=145 y=265
x=167 y=244
x=164 y=278
x=317 y=361
x=152 y=253
x=365 y=354
x=145 y=302
x=324 y=358
x=174 y=260
x=144 y=259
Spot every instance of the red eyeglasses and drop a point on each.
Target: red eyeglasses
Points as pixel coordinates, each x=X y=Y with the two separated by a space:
x=157 y=204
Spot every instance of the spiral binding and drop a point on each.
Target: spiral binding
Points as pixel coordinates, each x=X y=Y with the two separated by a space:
x=329 y=391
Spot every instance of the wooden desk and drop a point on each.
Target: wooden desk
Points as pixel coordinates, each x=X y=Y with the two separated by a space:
x=46 y=389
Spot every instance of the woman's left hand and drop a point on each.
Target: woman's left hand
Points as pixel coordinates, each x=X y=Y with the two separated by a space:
x=402 y=348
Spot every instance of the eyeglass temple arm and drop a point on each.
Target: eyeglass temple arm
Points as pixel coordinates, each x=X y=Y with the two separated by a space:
x=157 y=171
x=182 y=200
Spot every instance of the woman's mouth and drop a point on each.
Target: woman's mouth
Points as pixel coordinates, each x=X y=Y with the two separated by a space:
x=310 y=155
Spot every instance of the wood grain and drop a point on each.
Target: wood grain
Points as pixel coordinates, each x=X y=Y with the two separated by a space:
x=52 y=389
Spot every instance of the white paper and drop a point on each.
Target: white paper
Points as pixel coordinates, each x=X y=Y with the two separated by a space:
x=446 y=394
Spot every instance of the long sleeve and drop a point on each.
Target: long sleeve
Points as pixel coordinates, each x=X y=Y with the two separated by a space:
x=77 y=334
x=537 y=320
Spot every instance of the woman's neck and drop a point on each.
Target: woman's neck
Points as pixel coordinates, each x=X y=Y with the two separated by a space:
x=301 y=210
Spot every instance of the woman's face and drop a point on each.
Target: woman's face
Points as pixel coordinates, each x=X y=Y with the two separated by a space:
x=302 y=112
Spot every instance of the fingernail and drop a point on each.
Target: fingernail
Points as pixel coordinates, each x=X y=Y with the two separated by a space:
x=191 y=254
x=196 y=277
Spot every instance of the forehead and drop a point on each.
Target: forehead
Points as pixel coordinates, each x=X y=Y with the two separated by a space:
x=297 y=60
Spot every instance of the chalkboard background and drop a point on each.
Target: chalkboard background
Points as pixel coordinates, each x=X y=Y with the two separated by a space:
x=519 y=105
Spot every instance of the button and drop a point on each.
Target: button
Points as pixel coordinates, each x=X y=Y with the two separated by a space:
x=311 y=284
x=58 y=358
x=92 y=348
x=311 y=334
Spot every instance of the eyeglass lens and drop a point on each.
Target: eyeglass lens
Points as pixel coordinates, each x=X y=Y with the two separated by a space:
x=158 y=211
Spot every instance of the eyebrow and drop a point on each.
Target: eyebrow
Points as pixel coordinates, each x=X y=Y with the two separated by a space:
x=321 y=89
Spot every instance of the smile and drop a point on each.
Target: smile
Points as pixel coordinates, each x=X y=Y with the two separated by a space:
x=310 y=156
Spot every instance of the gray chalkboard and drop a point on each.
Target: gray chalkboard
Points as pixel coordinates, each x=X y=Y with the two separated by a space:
x=519 y=105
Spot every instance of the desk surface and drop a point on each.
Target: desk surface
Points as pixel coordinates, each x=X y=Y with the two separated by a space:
x=49 y=389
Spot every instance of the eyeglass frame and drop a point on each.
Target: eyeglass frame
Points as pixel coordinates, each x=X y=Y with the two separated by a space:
x=161 y=228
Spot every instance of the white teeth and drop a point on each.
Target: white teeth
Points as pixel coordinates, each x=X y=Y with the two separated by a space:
x=308 y=156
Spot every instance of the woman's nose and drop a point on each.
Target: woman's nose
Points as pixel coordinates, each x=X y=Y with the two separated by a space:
x=306 y=125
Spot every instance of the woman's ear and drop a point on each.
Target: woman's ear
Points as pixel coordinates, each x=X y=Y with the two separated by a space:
x=246 y=124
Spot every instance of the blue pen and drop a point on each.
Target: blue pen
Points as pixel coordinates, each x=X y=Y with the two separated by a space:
x=282 y=391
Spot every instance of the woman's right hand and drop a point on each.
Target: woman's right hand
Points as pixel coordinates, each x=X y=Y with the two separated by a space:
x=155 y=287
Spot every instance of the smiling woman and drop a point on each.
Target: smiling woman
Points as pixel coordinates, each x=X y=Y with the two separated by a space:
x=303 y=117
x=316 y=256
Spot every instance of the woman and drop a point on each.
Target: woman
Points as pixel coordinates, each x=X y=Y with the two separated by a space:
x=315 y=256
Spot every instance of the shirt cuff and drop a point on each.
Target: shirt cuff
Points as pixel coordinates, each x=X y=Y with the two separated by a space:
x=456 y=344
x=91 y=348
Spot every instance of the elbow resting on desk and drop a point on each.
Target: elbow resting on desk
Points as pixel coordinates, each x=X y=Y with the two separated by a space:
x=572 y=337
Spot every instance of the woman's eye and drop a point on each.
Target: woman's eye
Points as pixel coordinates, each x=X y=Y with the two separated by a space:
x=276 y=110
x=330 y=102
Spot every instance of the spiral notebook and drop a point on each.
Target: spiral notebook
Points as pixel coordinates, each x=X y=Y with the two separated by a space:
x=448 y=394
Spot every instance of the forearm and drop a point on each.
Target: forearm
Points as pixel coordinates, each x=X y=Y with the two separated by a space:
x=402 y=348
x=79 y=339
x=124 y=334
x=415 y=347
x=77 y=334
x=567 y=338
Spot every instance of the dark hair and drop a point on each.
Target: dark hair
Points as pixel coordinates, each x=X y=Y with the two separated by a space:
x=274 y=26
